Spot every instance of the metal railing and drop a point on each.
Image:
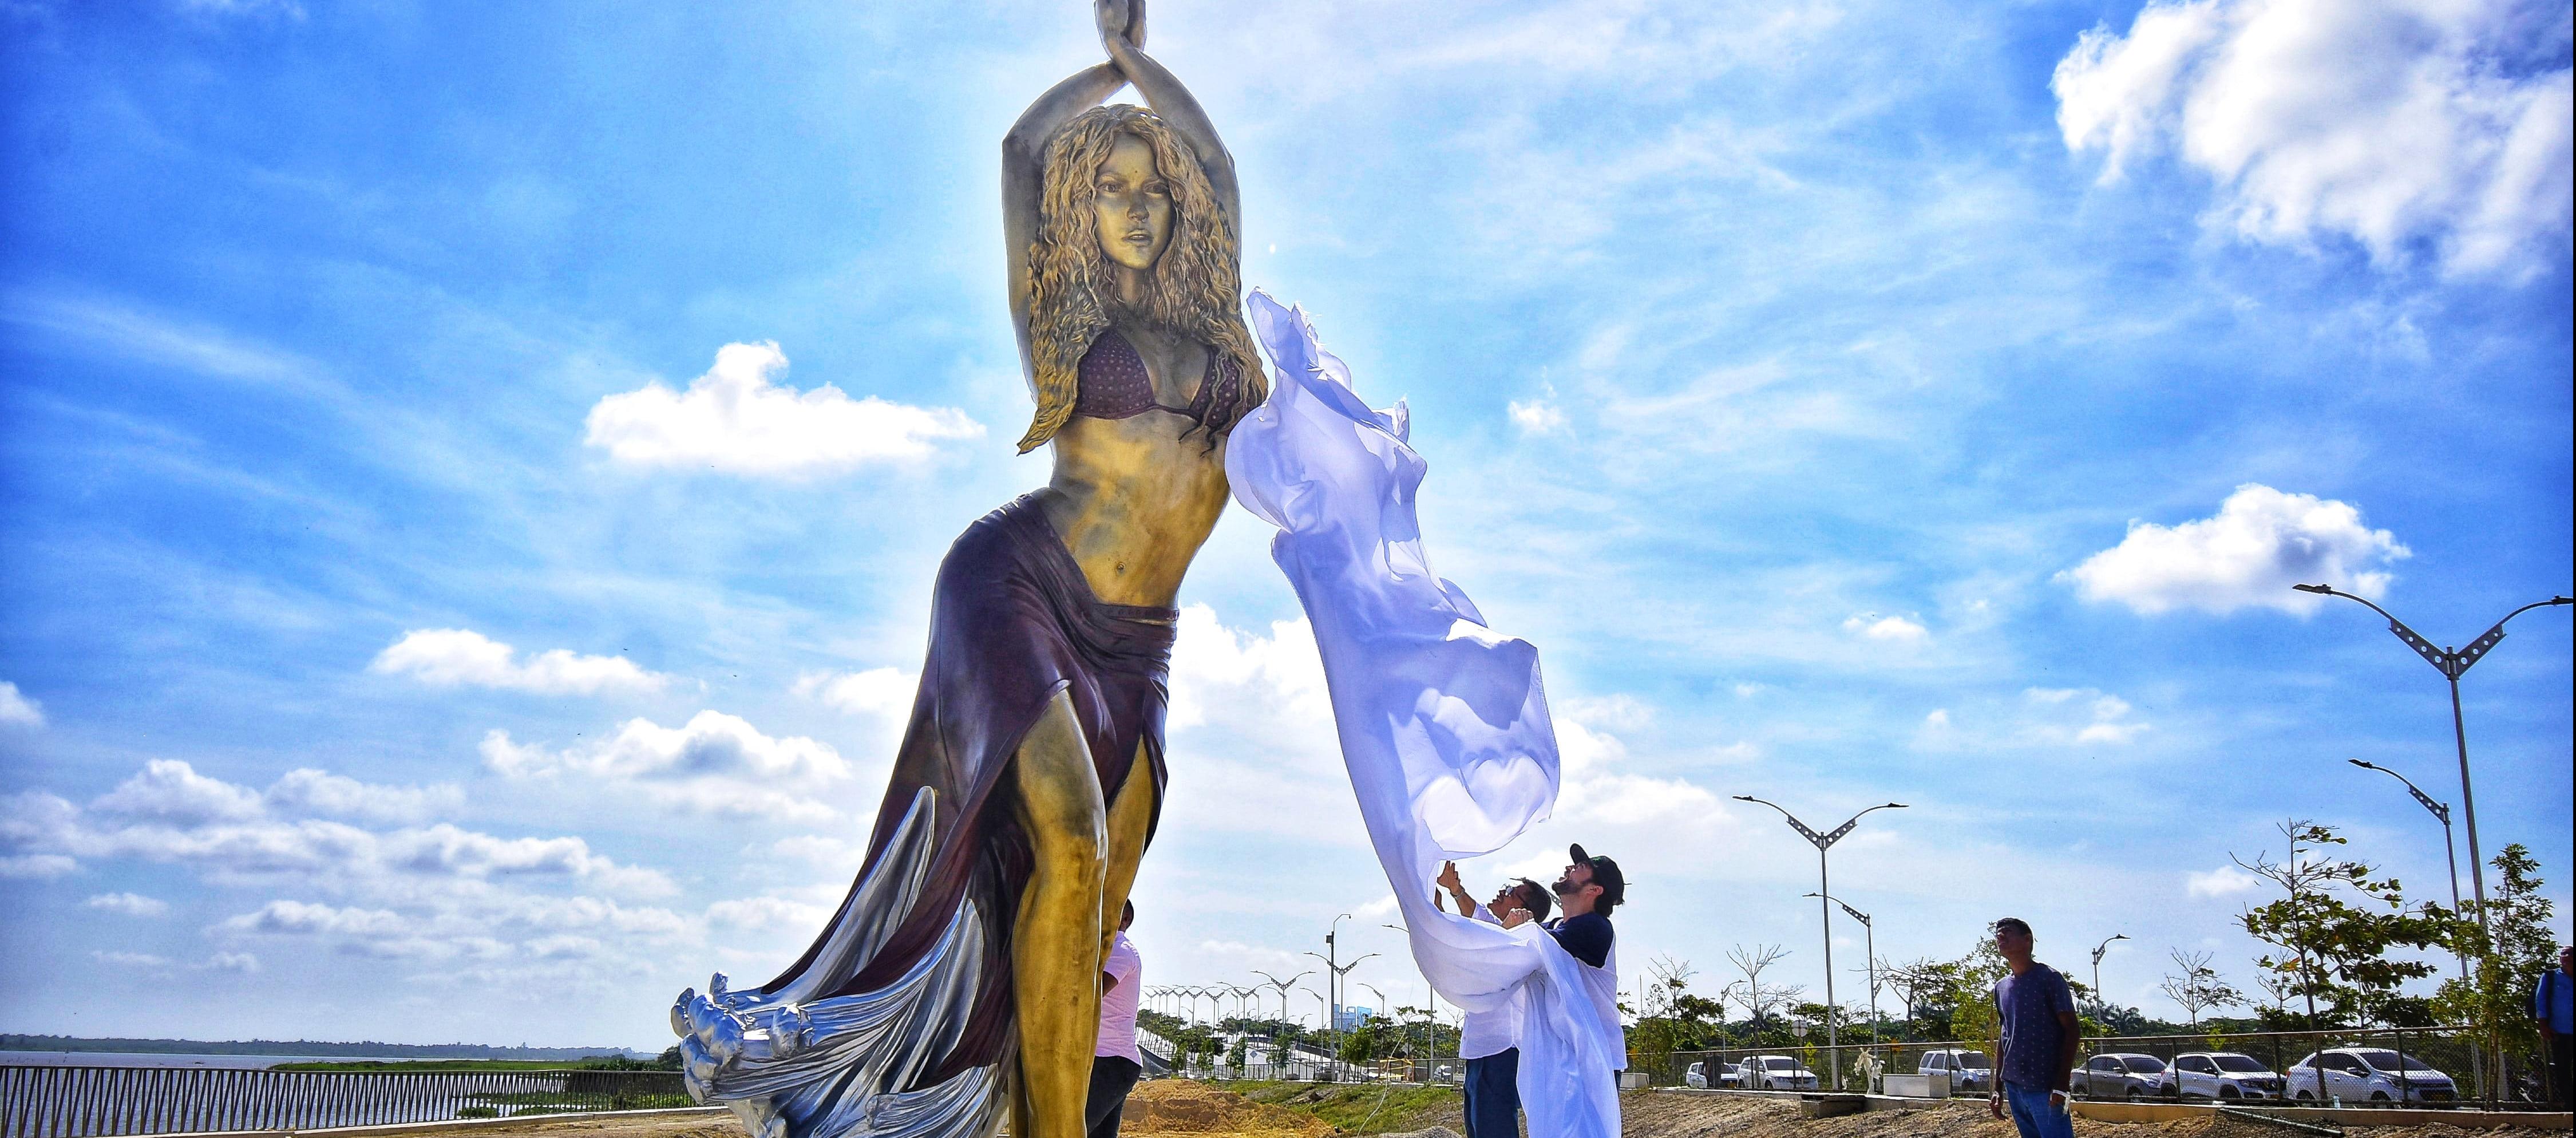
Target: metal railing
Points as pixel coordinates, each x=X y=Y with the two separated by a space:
x=2454 y=1051
x=101 y=1102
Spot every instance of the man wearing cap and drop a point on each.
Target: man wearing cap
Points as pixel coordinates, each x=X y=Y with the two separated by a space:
x=1588 y=889
x=1489 y=1041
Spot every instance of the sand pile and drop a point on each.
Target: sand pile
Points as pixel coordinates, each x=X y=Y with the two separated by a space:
x=1179 y=1106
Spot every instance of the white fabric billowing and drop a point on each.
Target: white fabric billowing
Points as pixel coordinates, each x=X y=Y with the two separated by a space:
x=1490 y=1033
x=1443 y=723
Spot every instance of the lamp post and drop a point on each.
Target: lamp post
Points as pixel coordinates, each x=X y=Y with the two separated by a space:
x=2452 y=664
x=1332 y=962
x=1869 y=946
x=2442 y=811
x=2098 y=950
x=1824 y=886
x=1283 y=986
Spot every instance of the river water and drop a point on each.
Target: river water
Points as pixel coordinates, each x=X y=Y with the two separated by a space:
x=156 y=1059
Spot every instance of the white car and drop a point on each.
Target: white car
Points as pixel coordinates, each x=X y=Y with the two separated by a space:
x=2121 y=1075
x=1775 y=1073
x=2225 y=1075
x=1697 y=1075
x=1968 y=1070
x=2369 y=1074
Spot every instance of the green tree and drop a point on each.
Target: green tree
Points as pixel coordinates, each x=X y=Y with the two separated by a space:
x=1972 y=992
x=2334 y=952
x=2519 y=917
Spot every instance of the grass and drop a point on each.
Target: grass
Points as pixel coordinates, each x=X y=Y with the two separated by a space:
x=1358 y=1108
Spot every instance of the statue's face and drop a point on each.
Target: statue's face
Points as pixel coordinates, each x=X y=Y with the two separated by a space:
x=1131 y=205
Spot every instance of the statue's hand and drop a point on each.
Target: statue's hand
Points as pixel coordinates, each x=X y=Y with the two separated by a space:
x=1119 y=19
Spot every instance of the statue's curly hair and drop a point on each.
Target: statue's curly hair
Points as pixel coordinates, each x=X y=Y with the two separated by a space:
x=1195 y=289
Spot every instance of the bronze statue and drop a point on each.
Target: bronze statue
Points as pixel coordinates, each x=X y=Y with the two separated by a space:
x=1015 y=820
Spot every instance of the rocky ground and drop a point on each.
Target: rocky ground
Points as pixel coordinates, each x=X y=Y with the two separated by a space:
x=1183 y=1109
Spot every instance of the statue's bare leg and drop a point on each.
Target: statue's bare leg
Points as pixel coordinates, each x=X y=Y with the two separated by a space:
x=1056 y=941
x=1130 y=817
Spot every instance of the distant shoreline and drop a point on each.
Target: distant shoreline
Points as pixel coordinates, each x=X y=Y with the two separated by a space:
x=367 y=1049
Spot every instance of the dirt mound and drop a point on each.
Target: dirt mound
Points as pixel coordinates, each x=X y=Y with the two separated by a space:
x=1179 y=1106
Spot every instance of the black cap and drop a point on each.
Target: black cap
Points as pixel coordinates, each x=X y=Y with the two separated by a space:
x=1605 y=873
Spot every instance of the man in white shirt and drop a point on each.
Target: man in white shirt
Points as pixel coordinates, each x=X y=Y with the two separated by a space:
x=1490 y=1041
x=1115 y=1061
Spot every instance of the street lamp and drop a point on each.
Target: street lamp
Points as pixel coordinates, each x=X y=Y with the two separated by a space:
x=1283 y=986
x=2440 y=810
x=1869 y=946
x=1331 y=958
x=2452 y=663
x=2098 y=951
x=1824 y=886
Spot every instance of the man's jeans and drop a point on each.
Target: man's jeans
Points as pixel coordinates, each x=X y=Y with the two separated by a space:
x=2035 y=1116
x=1494 y=1095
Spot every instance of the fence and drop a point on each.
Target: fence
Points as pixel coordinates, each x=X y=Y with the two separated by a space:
x=99 y=1102
x=2452 y=1050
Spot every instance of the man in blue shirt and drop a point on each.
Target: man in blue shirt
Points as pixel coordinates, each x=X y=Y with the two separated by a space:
x=2037 y=1039
x=2553 y=1004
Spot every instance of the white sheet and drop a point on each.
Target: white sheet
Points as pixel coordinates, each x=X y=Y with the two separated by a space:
x=1443 y=722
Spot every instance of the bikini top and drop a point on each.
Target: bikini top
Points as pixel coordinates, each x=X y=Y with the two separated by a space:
x=1111 y=383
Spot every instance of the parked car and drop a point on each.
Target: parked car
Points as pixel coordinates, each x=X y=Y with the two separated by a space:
x=1699 y=1075
x=1968 y=1070
x=2369 y=1074
x=2121 y=1074
x=1775 y=1073
x=2224 y=1075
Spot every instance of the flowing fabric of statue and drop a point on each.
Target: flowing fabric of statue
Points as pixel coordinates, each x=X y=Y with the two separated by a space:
x=960 y=977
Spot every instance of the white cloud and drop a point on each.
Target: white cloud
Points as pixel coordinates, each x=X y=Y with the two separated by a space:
x=771 y=913
x=130 y=959
x=2387 y=121
x=451 y=656
x=169 y=813
x=36 y=865
x=309 y=791
x=1894 y=629
x=2224 y=881
x=130 y=904
x=241 y=962
x=2262 y=542
x=304 y=918
x=2087 y=716
x=715 y=763
x=170 y=791
x=1536 y=417
x=877 y=691
x=735 y=420
x=16 y=708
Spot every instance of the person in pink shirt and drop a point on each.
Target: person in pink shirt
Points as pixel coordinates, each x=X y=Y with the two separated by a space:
x=1115 y=1062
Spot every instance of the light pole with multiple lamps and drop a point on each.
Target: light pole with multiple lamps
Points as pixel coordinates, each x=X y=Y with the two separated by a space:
x=1824 y=886
x=1869 y=950
x=2452 y=663
x=1331 y=956
x=2440 y=810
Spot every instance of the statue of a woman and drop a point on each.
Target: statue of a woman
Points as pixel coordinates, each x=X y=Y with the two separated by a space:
x=967 y=957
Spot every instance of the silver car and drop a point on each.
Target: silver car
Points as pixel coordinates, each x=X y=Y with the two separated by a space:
x=2225 y=1075
x=2121 y=1075
x=2368 y=1074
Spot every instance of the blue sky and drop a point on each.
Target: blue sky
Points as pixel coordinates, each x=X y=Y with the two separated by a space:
x=1853 y=401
